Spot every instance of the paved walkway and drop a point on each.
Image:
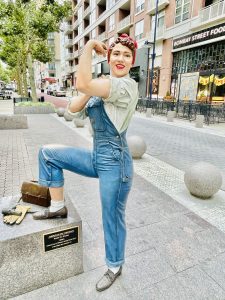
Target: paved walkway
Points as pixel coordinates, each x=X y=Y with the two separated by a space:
x=172 y=253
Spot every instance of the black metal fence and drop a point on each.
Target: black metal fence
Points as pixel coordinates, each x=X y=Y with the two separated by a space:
x=186 y=110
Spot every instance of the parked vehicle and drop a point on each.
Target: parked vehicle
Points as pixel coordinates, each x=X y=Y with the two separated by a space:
x=1 y=94
x=2 y=84
x=7 y=92
x=60 y=92
x=50 y=89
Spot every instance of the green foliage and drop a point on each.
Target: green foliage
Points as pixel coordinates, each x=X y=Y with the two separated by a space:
x=29 y=22
x=5 y=74
x=24 y=28
x=30 y=103
x=41 y=51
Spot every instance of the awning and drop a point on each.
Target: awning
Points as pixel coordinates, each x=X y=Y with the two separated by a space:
x=50 y=79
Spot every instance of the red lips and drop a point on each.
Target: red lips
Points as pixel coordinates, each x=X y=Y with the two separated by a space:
x=120 y=67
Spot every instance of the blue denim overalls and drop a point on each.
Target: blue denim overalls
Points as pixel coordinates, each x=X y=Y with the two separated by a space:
x=110 y=161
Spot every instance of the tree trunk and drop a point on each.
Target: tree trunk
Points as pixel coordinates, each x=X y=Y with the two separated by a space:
x=19 y=83
x=31 y=77
x=25 y=80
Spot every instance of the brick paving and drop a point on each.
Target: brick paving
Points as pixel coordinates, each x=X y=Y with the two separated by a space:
x=172 y=253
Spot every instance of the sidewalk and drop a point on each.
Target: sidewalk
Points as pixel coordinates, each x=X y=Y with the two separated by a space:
x=172 y=253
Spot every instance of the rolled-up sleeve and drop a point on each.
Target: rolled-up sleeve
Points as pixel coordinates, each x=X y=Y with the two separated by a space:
x=80 y=114
x=120 y=91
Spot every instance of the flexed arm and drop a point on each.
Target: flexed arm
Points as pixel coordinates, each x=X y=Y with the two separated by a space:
x=78 y=103
x=84 y=83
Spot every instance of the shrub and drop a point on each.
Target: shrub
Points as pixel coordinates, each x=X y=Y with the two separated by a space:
x=30 y=103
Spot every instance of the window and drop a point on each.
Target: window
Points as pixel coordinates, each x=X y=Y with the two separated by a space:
x=112 y=22
x=139 y=5
x=51 y=42
x=182 y=10
x=139 y=29
x=160 y=21
x=51 y=35
x=51 y=66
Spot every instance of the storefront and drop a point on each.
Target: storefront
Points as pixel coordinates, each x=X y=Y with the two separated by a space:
x=198 y=72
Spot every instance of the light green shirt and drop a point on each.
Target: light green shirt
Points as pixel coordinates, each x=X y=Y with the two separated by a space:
x=121 y=103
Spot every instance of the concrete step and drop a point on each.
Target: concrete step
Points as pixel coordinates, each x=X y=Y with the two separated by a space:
x=6 y=107
x=38 y=253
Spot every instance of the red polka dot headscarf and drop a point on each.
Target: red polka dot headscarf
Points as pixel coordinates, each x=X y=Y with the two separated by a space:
x=127 y=41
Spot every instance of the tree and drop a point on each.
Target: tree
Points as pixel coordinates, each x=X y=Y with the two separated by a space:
x=25 y=25
x=5 y=74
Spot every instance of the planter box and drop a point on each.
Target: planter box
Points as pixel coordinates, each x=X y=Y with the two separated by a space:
x=13 y=122
x=33 y=110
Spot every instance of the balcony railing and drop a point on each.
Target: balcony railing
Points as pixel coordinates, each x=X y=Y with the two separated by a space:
x=210 y=14
x=87 y=11
x=68 y=43
x=69 y=56
x=161 y=5
x=69 y=28
x=75 y=24
x=69 y=69
x=75 y=9
x=126 y=22
x=74 y=68
x=102 y=37
x=159 y=33
x=75 y=54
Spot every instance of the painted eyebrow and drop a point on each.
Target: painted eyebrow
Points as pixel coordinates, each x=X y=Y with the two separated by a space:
x=126 y=52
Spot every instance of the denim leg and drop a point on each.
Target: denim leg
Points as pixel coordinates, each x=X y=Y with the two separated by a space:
x=54 y=158
x=114 y=195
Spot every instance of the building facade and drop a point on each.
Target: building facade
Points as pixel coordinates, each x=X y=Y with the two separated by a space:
x=189 y=43
x=105 y=20
x=192 y=65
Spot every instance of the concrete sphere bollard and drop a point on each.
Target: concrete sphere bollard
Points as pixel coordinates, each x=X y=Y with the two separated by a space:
x=137 y=146
x=60 y=111
x=68 y=117
x=78 y=122
x=171 y=115
x=149 y=113
x=203 y=180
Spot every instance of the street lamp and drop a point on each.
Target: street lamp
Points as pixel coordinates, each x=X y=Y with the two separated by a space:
x=147 y=45
x=153 y=50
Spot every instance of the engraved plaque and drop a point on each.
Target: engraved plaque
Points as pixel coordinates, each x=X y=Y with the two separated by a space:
x=61 y=238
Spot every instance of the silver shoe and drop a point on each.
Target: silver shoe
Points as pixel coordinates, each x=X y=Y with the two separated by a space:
x=107 y=280
x=46 y=214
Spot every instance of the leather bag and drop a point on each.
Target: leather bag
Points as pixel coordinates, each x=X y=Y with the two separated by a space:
x=34 y=193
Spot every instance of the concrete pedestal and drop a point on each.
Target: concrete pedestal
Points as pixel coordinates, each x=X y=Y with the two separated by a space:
x=38 y=253
x=199 y=121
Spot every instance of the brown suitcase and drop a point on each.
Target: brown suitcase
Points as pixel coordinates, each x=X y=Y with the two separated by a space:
x=34 y=193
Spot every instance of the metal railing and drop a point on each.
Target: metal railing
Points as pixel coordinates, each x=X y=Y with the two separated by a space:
x=212 y=12
x=213 y=113
x=161 y=4
x=124 y=23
